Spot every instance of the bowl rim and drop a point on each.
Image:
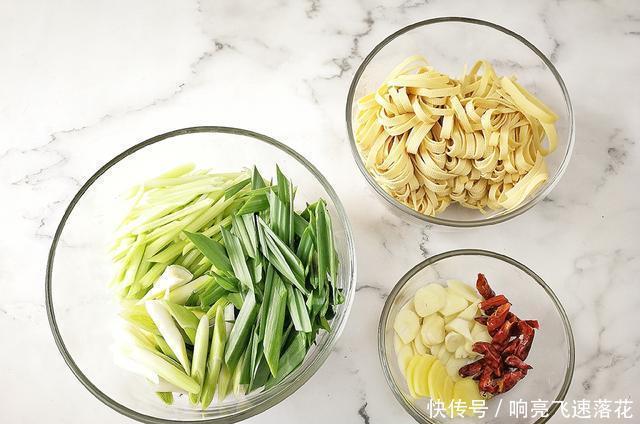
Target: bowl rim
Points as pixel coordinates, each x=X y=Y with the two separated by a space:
x=293 y=381
x=384 y=316
x=502 y=216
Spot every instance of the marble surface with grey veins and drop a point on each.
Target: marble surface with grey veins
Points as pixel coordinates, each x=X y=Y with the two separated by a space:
x=82 y=81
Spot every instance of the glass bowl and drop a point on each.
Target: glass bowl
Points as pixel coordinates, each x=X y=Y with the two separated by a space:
x=449 y=44
x=552 y=354
x=82 y=310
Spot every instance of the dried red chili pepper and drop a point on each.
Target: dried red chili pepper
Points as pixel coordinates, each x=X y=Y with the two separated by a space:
x=487 y=384
x=510 y=348
x=482 y=285
x=522 y=351
x=502 y=335
x=533 y=323
x=515 y=362
x=482 y=320
x=473 y=369
x=498 y=318
x=493 y=302
x=491 y=355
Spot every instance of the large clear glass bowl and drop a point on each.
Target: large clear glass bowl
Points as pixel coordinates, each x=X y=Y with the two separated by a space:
x=449 y=44
x=82 y=310
x=552 y=353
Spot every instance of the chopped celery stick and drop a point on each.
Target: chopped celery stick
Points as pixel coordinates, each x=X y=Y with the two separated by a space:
x=152 y=275
x=172 y=217
x=162 y=318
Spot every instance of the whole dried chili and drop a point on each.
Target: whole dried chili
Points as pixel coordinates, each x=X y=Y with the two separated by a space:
x=482 y=285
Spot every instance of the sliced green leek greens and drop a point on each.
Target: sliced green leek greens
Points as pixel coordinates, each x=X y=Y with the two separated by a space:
x=224 y=286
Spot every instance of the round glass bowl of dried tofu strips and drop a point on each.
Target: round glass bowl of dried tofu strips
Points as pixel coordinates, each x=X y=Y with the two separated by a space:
x=434 y=320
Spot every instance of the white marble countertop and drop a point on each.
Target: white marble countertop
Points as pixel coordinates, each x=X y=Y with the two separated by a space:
x=82 y=81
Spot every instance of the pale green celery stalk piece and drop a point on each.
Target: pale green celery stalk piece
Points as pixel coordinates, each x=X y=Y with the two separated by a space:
x=201 y=269
x=216 y=356
x=298 y=310
x=190 y=258
x=241 y=330
x=158 y=232
x=163 y=320
x=166 y=397
x=275 y=323
x=133 y=263
x=210 y=214
x=223 y=382
x=179 y=195
x=176 y=172
x=157 y=245
x=199 y=205
x=118 y=275
x=209 y=232
x=120 y=246
x=164 y=347
x=159 y=183
x=323 y=244
x=152 y=275
x=212 y=250
x=165 y=370
x=185 y=318
x=290 y=360
x=200 y=353
x=236 y=256
x=168 y=254
x=181 y=294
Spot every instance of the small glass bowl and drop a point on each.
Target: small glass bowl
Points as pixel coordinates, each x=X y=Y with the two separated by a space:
x=552 y=354
x=82 y=310
x=450 y=44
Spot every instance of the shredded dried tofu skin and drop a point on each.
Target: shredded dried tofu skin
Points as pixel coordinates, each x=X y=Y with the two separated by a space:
x=430 y=140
